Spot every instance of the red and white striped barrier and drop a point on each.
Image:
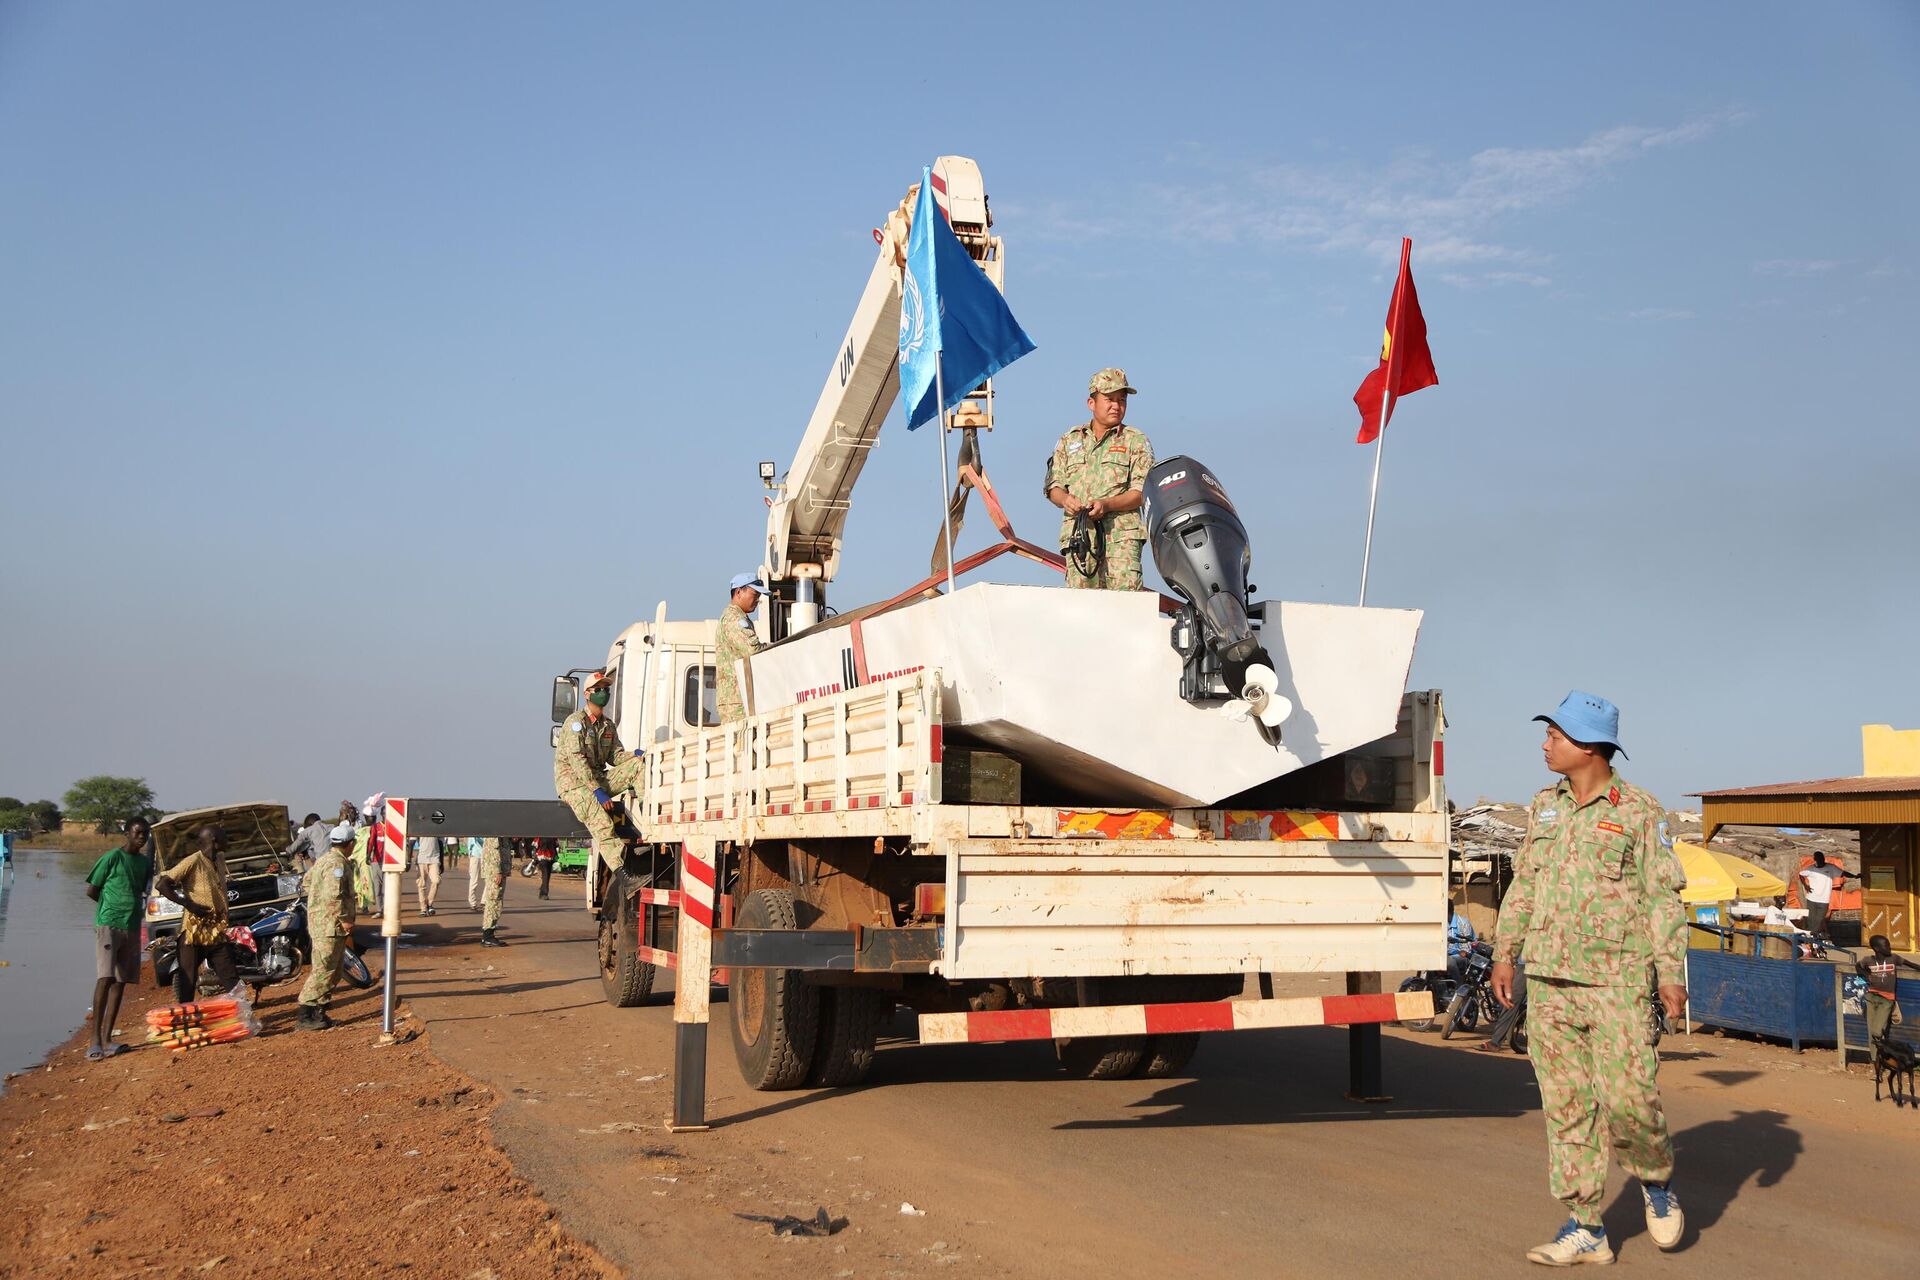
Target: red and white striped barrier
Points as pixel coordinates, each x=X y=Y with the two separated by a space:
x=393 y=835
x=1167 y=1019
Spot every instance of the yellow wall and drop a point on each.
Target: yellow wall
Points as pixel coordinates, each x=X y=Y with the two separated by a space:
x=1889 y=752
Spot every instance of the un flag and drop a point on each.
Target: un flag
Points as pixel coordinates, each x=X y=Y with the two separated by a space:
x=951 y=317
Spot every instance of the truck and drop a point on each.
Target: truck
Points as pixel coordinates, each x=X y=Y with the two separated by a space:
x=1022 y=812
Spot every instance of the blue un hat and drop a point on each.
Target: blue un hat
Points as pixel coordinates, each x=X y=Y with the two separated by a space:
x=747 y=580
x=1588 y=719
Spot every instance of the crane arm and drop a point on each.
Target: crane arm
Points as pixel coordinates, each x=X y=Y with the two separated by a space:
x=807 y=515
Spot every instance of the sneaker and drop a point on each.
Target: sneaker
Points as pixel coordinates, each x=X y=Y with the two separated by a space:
x=1574 y=1245
x=1665 y=1222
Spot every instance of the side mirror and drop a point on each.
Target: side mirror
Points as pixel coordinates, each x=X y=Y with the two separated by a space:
x=566 y=698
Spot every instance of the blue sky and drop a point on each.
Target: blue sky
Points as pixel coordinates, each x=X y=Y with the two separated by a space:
x=361 y=367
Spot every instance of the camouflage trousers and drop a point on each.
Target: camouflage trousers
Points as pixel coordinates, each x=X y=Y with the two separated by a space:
x=324 y=975
x=597 y=821
x=1592 y=1050
x=493 y=890
x=1119 y=569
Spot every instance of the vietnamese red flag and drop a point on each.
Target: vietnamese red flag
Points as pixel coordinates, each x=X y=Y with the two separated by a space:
x=1405 y=363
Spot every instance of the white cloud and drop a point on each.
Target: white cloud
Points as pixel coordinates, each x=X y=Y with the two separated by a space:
x=1452 y=208
x=1796 y=266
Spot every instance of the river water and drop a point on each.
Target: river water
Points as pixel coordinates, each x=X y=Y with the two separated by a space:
x=46 y=953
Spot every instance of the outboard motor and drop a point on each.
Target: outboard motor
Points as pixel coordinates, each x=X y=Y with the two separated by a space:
x=1200 y=548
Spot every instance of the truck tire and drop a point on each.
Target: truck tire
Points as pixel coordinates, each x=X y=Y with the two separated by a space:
x=1168 y=1054
x=850 y=1023
x=775 y=1015
x=1100 y=1057
x=625 y=979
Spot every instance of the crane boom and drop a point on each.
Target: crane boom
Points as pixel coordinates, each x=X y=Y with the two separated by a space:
x=807 y=514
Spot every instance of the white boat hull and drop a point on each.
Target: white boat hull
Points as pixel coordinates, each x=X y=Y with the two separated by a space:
x=1083 y=686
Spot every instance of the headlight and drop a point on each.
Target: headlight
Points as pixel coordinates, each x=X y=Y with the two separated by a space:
x=159 y=908
x=286 y=886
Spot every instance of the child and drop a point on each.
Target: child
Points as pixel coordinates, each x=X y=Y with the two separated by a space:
x=1880 y=970
x=118 y=882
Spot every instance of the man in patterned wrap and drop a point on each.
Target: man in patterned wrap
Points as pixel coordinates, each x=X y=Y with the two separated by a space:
x=590 y=767
x=1594 y=907
x=330 y=908
x=734 y=639
x=1100 y=468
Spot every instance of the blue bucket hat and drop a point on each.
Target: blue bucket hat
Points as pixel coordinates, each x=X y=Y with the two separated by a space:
x=1587 y=718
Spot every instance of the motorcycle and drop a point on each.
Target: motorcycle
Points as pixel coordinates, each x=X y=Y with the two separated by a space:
x=1472 y=998
x=272 y=949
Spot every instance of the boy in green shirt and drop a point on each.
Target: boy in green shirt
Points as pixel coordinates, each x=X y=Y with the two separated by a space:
x=118 y=882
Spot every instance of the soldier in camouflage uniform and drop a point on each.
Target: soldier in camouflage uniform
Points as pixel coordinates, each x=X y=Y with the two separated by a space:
x=734 y=639
x=330 y=912
x=494 y=864
x=590 y=767
x=1595 y=907
x=1100 y=467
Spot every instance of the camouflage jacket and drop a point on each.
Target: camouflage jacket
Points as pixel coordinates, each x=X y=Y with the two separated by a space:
x=1595 y=897
x=587 y=747
x=733 y=639
x=330 y=895
x=1088 y=468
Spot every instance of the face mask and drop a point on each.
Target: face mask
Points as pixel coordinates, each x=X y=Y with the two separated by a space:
x=598 y=697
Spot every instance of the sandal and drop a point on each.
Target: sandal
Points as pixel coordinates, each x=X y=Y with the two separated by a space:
x=115 y=1050
x=95 y=1053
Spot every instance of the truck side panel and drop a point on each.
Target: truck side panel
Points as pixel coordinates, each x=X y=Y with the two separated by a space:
x=1060 y=909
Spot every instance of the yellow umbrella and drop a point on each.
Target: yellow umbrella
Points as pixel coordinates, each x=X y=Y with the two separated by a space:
x=1715 y=876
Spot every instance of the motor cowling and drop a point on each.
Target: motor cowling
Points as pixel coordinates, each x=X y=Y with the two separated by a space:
x=1200 y=547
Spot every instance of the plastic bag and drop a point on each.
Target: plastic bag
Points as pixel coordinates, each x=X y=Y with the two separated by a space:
x=243 y=1008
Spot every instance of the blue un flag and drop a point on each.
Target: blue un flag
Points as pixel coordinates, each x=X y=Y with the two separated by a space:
x=950 y=316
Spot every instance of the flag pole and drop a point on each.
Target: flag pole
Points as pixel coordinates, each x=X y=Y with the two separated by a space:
x=1373 y=499
x=940 y=422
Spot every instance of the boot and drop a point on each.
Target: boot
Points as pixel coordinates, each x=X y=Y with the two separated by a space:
x=488 y=940
x=326 y=1019
x=311 y=1018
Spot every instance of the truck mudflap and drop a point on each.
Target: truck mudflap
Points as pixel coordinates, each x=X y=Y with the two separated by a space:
x=1168 y=1019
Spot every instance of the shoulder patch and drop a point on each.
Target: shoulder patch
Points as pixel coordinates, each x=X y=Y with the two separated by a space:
x=576 y=726
x=1666 y=840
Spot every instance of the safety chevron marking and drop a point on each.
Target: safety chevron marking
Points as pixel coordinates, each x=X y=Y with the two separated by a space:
x=1163 y=1019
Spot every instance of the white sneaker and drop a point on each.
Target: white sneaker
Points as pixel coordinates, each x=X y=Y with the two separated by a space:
x=1574 y=1245
x=1665 y=1222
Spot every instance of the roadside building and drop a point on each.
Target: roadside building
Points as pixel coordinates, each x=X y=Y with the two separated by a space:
x=1882 y=804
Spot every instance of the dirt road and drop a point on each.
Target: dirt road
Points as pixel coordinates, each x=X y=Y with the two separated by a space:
x=1256 y=1167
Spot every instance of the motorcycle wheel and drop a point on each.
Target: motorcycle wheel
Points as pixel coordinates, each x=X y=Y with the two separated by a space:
x=1459 y=1014
x=354 y=970
x=1418 y=982
x=527 y=868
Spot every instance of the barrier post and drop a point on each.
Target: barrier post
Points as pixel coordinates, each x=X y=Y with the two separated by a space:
x=393 y=860
x=1363 y=1047
x=693 y=978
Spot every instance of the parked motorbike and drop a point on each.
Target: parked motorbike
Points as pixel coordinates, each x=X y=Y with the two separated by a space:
x=1472 y=999
x=272 y=949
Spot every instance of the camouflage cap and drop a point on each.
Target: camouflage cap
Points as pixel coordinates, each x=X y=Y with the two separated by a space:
x=1110 y=382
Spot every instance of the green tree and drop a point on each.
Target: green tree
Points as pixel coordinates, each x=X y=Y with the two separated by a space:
x=106 y=801
x=14 y=817
x=9 y=802
x=45 y=814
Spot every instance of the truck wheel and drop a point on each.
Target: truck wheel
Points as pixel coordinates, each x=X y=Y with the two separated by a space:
x=1100 y=1057
x=850 y=1022
x=1168 y=1055
x=774 y=1013
x=625 y=979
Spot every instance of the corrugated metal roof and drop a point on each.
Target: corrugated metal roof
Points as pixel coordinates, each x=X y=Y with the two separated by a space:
x=1906 y=786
